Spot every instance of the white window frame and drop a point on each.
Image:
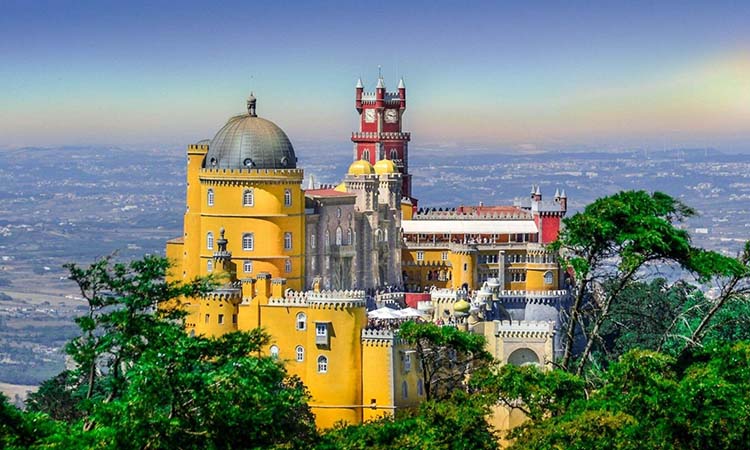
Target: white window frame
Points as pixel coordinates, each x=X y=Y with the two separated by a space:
x=288 y=266
x=248 y=197
x=210 y=240
x=300 y=323
x=274 y=351
x=209 y=266
x=444 y=256
x=287 y=197
x=210 y=197
x=322 y=364
x=247 y=266
x=288 y=240
x=549 y=275
x=300 y=353
x=339 y=236
x=248 y=241
x=420 y=255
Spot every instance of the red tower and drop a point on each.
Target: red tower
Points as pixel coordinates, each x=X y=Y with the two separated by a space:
x=380 y=136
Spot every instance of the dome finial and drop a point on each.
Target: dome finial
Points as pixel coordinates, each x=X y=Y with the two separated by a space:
x=251 y=105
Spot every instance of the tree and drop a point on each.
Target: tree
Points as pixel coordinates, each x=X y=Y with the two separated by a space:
x=142 y=382
x=458 y=422
x=446 y=356
x=650 y=400
x=608 y=246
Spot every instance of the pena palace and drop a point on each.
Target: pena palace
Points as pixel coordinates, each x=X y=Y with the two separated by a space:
x=330 y=271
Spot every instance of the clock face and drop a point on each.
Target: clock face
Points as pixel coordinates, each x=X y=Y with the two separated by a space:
x=391 y=116
x=370 y=115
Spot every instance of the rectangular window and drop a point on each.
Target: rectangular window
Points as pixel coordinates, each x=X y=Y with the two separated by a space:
x=322 y=337
x=248 y=241
x=247 y=267
x=221 y=319
x=444 y=256
x=420 y=256
x=208 y=317
x=287 y=240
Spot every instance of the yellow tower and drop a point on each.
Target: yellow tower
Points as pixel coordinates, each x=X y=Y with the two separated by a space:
x=243 y=188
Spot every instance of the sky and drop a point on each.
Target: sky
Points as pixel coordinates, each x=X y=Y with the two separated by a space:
x=484 y=76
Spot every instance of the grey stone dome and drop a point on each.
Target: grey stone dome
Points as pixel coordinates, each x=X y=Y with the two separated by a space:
x=250 y=142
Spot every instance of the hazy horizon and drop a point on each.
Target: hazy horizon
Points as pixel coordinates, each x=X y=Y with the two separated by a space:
x=486 y=76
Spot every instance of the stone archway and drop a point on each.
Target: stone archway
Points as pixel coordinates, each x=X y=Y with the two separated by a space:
x=523 y=356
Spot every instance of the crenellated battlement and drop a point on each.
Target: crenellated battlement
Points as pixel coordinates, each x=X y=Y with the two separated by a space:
x=524 y=329
x=209 y=173
x=451 y=214
x=335 y=299
x=531 y=296
x=384 y=136
x=378 y=336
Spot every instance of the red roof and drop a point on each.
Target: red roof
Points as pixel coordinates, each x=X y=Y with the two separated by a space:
x=488 y=209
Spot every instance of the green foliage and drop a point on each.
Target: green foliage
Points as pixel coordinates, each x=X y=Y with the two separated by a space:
x=446 y=355
x=648 y=400
x=456 y=423
x=607 y=246
x=538 y=393
x=142 y=382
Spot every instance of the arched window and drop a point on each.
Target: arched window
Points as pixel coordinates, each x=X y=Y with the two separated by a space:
x=322 y=364
x=288 y=240
x=248 y=241
x=248 y=198
x=420 y=388
x=288 y=266
x=210 y=197
x=394 y=153
x=328 y=238
x=287 y=197
x=548 y=277
x=366 y=155
x=209 y=266
x=404 y=389
x=349 y=240
x=378 y=235
x=274 y=350
x=385 y=235
x=247 y=266
x=339 y=236
x=301 y=323
x=210 y=240
x=338 y=212
x=300 y=351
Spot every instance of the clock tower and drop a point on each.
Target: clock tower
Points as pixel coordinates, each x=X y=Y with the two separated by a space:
x=380 y=135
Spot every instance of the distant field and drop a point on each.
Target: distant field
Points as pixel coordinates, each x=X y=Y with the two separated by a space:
x=13 y=390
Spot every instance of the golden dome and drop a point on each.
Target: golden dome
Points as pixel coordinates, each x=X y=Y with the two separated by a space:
x=461 y=306
x=361 y=167
x=385 y=166
x=341 y=187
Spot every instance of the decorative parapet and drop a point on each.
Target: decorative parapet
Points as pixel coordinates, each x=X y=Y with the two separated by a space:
x=375 y=136
x=388 y=298
x=542 y=329
x=531 y=296
x=243 y=176
x=324 y=299
x=451 y=214
x=378 y=335
x=223 y=294
x=447 y=295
